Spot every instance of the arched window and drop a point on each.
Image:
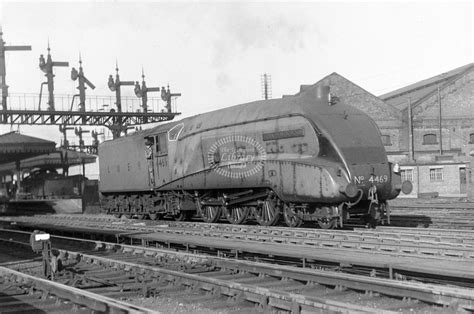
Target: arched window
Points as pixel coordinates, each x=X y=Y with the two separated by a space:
x=386 y=140
x=471 y=138
x=429 y=139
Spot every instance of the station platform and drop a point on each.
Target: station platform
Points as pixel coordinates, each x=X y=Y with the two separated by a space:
x=44 y=206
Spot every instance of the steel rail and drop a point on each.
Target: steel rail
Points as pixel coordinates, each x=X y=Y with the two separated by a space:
x=434 y=235
x=383 y=242
x=429 y=293
x=407 y=231
x=73 y=219
x=265 y=298
x=92 y=301
x=434 y=215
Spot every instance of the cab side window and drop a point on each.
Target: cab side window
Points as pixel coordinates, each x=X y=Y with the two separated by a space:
x=149 y=143
x=161 y=144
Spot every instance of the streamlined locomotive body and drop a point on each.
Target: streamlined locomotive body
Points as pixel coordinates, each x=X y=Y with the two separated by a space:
x=300 y=158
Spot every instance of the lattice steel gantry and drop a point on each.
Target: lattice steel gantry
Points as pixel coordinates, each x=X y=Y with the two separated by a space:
x=118 y=121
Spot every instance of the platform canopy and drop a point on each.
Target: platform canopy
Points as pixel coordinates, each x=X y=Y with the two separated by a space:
x=58 y=159
x=15 y=146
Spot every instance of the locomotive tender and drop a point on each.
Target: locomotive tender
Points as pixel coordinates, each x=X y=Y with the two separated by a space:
x=301 y=158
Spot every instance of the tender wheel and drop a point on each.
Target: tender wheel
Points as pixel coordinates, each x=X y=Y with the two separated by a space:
x=183 y=216
x=107 y=204
x=236 y=215
x=327 y=223
x=291 y=219
x=117 y=215
x=210 y=213
x=142 y=216
x=128 y=216
x=268 y=213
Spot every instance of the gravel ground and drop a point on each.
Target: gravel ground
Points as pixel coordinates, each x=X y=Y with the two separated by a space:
x=178 y=306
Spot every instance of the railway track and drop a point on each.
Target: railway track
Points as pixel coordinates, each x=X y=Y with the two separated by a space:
x=444 y=215
x=434 y=255
x=437 y=243
x=432 y=214
x=239 y=286
x=22 y=293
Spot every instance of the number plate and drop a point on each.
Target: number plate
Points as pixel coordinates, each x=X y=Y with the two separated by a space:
x=371 y=179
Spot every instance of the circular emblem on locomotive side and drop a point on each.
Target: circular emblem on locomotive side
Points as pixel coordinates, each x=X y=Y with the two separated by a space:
x=236 y=156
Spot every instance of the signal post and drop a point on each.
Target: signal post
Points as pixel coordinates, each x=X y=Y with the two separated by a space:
x=3 y=71
x=82 y=82
x=47 y=67
x=114 y=85
x=142 y=92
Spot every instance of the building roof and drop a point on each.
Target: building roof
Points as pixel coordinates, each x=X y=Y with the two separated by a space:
x=356 y=96
x=55 y=160
x=15 y=146
x=422 y=89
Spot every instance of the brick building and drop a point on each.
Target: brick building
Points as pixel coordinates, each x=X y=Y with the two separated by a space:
x=438 y=163
x=438 y=160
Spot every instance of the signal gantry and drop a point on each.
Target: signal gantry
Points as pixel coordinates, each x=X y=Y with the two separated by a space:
x=117 y=121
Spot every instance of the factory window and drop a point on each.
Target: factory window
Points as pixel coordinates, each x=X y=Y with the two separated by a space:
x=471 y=138
x=436 y=174
x=161 y=145
x=429 y=139
x=386 y=140
x=407 y=175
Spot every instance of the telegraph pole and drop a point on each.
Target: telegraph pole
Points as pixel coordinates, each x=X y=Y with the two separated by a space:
x=411 y=147
x=3 y=72
x=266 y=86
x=440 y=125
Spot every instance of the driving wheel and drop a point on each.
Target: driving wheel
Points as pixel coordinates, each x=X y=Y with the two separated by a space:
x=236 y=215
x=267 y=213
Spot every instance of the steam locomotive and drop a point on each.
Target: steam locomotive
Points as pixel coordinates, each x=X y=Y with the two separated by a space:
x=303 y=158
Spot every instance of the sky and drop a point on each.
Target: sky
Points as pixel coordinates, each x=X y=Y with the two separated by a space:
x=215 y=53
